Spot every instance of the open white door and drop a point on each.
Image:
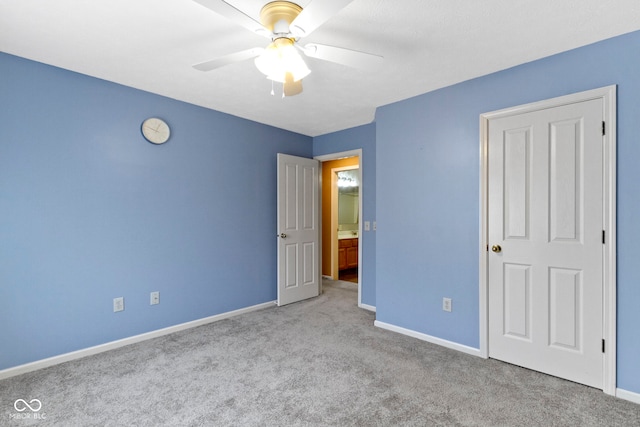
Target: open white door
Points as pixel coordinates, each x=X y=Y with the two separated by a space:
x=298 y=229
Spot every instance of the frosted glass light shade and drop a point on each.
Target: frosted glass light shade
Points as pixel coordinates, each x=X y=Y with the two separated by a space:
x=281 y=58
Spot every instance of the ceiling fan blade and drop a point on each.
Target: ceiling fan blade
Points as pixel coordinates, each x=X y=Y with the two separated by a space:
x=230 y=12
x=316 y=14
x=339 y=55
x=229 y=59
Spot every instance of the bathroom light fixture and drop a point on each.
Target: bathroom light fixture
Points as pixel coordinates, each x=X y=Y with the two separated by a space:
x=346 y=179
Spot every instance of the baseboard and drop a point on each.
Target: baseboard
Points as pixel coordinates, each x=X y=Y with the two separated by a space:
x=424 y=337
x=367 y=307
x=56 y=360
x=628 y=395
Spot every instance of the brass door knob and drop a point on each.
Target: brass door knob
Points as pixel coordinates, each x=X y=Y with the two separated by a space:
x=496 y=248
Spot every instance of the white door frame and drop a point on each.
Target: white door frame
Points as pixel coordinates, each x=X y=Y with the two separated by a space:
x=337 y=156
x=608 y=95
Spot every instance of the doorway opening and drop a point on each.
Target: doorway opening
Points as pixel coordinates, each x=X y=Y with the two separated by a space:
x=347 y=189
x=341 y=225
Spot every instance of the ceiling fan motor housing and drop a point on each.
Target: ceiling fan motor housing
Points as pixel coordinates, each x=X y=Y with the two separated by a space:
x=277 y=16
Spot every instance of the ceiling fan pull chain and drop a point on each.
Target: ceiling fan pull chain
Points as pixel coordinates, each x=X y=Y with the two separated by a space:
x=272 y=93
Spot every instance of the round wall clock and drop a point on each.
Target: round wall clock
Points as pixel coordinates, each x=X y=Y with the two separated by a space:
x=156 y=130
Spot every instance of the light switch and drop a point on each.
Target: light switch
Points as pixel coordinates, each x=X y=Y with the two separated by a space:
x=367 y=226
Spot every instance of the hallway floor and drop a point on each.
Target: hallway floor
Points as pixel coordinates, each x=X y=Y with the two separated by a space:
x=349 y=275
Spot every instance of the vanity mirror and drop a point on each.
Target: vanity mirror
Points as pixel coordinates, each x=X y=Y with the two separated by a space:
x=348 y=199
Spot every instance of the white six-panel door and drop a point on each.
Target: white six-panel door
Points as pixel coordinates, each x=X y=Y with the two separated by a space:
x=545 y=222
x=298 y=229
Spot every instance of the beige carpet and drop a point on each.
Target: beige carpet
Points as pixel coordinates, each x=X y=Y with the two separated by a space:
x=315 y=363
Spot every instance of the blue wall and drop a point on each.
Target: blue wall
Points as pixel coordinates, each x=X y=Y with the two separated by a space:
x=362 y=137
x=428 y=192
x=90 y=211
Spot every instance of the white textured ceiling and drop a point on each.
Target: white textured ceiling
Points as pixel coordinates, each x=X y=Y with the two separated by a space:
x=427 y=44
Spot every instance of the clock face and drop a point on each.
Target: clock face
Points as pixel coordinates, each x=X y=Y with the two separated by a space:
x=156 y=130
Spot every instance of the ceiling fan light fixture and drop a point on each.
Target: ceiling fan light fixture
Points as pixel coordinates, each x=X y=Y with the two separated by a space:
x=285 y=23
x=281 y=58
x=291 y=87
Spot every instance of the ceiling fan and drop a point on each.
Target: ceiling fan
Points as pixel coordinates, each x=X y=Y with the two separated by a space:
x=286 y=23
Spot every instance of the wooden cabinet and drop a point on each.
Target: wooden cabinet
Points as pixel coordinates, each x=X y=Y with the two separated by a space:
x=342 y=258
x=352 y=256
x=347 y=253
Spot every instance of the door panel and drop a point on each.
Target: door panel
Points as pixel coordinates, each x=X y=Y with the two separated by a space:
x=291 y=265
x=545 y=212
x=565 y=185
x=298 y=229
x=517 y=181
x=565 y=313
x=517 y=301
x=308 y=268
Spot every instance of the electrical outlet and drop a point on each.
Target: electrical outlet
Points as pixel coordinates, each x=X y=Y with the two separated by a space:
x=446 y=304
x=155 y=298
x=118 y=304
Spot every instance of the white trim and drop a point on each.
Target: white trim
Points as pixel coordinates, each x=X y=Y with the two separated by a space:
x=367 y=307
x=608 y=95
x=55 y=360
x=424 y=337
x=610 y=253
x=338 y=156
x=628 y=395
x=484 y=238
